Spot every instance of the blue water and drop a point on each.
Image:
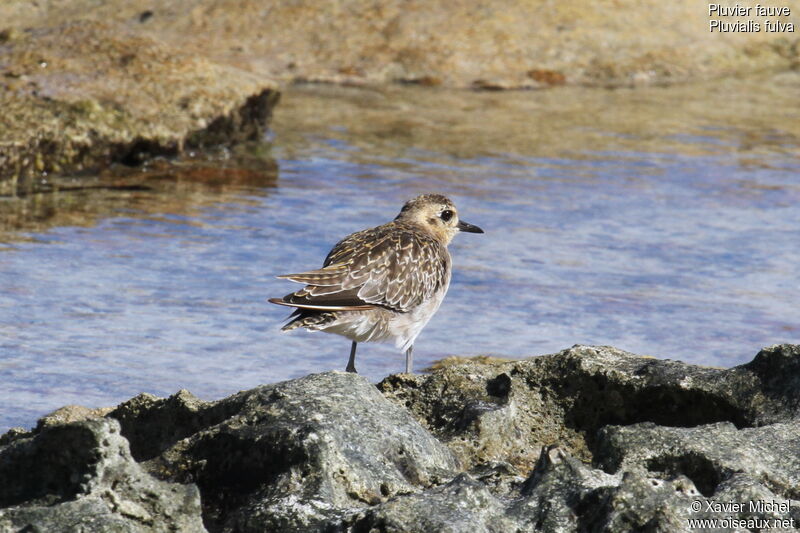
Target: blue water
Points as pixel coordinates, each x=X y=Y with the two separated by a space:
x=670 y=254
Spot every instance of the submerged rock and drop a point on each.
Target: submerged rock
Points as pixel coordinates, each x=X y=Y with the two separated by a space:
x=588 y=439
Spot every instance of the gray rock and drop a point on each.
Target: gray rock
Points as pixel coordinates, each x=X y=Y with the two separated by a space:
x=651 y=476
x=80 y=476
x=590 y=439
x=706 y=454
x=463 y=504
x=564 y=495
x=723 y=463
x=288 y=457
x=605 y=406
x=560 y=487
x=509 y=411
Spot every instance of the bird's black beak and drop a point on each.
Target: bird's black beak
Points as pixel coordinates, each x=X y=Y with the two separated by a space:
x=469 y=228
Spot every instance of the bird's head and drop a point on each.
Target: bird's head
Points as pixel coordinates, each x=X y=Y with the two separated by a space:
x=437 y=214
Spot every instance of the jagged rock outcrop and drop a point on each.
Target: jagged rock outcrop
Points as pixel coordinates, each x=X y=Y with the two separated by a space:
x=80 y=476
x=288 y=457
x=588 y=439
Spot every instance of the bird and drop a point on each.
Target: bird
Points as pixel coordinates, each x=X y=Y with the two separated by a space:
x=383 y=283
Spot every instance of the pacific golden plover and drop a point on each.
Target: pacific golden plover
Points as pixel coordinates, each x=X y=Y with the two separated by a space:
x=384 y=283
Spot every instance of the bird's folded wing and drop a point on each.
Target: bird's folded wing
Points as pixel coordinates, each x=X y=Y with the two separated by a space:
x=328 y=276
x=396 y=270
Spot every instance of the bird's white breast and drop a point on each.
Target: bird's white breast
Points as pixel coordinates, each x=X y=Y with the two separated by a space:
x=405 y=327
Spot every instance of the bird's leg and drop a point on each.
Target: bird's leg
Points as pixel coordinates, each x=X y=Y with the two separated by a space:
x=351 y=364
x=410 y=360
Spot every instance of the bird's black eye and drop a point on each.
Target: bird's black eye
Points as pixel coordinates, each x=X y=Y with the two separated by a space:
x=446 y=215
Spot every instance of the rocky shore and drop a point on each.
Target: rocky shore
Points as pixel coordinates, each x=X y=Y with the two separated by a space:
x=514 y=44
x=587 y=439
x=86 y=83
x=84 y=94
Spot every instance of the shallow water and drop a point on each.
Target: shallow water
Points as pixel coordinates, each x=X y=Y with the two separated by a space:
x=663 y=221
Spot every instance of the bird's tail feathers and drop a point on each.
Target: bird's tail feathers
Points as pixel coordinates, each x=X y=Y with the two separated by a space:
x=311 y=320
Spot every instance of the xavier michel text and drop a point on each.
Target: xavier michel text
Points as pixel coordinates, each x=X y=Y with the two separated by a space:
x=750 y=25
x=756 y=506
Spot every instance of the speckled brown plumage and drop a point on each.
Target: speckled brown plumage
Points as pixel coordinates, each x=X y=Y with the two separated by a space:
x=378 y=267
x=382 y=283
